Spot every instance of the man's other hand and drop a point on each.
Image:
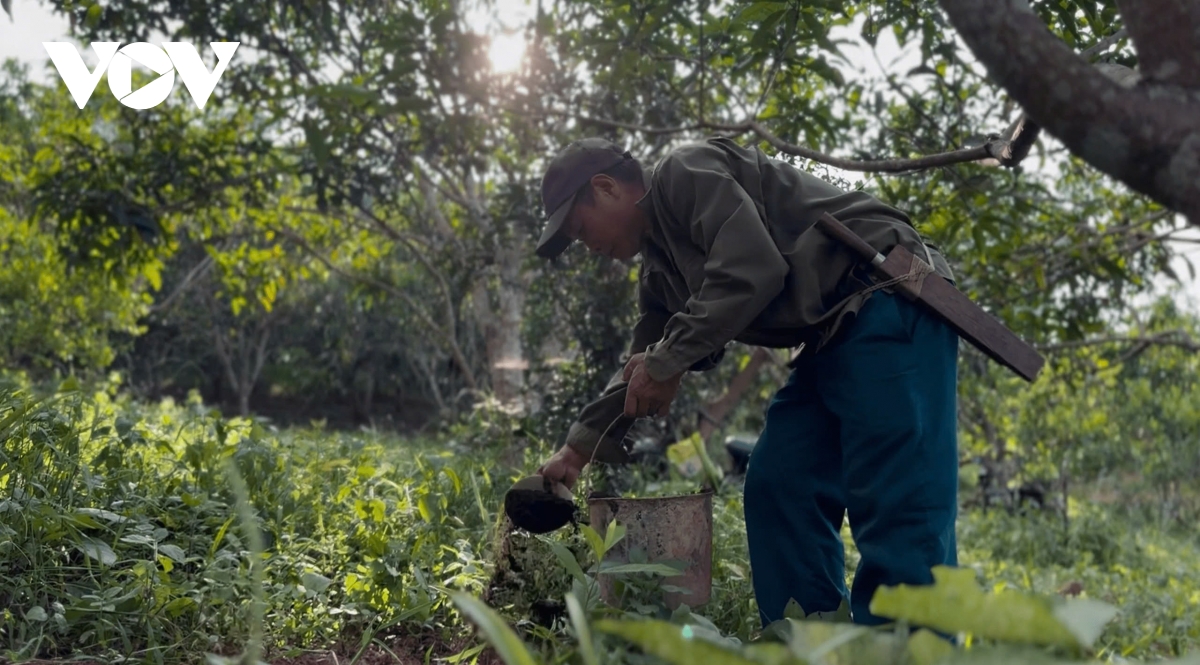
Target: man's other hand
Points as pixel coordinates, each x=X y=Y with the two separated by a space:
x=564 y=467
x=645 y=396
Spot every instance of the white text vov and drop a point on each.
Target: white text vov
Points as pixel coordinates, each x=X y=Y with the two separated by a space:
x=172 y=57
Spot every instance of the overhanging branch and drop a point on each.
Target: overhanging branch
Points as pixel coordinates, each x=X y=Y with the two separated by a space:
x=1023 y=132
x=993 y=149
x=1142 y=137
x=1176 y=338
x=1007 y=149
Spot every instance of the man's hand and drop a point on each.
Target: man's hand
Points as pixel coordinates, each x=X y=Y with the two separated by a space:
x=564 y=467
x=645 y=396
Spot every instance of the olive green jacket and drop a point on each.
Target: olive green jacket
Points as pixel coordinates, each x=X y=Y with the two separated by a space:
x=732 y=255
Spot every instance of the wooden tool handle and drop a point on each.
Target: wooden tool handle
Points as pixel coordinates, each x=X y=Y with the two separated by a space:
x=967 y=319
x=829 y=224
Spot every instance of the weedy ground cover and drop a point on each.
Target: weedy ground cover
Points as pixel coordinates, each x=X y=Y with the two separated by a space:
x=164 y=533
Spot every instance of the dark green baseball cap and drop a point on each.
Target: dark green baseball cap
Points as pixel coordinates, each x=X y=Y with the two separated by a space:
x=569 y=171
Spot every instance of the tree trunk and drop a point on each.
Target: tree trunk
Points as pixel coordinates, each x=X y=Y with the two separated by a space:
x=511 y=365
x=714 y=412
x=1166 y=35
x=502 y=328
x=424 y=366
x=368 y=398
x=244 y=400
x=1066 y=496
x=245 y=349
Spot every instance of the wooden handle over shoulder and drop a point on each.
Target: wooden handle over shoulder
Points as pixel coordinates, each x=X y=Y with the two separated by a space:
x=829 y=224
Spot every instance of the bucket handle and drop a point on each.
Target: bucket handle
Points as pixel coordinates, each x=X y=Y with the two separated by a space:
x=709 y=480
x=596 y=449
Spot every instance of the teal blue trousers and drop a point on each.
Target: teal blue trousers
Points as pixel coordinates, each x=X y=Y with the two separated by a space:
x=866 y=428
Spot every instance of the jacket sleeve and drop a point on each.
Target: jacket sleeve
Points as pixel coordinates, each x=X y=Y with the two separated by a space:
x=743 y=269
x=597 y=416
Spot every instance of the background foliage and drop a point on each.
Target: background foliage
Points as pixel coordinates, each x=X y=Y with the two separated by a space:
x=325 y=282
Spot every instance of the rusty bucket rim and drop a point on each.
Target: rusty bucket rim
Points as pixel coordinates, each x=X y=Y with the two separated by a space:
x=650 y=500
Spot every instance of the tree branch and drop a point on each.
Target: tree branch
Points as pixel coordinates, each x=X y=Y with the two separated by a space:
x=913 y=104
x=219 y=346
x=1008 y=149
x=993 y=149
x=1166 y=34
x=725 y=87
x=199 y=270
x=1148 y=140
x=446 y=337
x=421 y=255
x=260 y=350
x=423 y=259
x=1178 y=338
x=714 y=412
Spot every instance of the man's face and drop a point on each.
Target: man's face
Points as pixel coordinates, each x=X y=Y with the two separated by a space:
x=612 y=224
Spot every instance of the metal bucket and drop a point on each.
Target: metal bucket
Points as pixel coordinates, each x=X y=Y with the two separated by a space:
x=665 y=529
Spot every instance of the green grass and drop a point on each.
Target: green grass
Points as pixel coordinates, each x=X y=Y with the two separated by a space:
x=121 y=538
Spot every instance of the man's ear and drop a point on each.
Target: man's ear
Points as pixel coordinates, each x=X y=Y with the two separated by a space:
x=605 y=185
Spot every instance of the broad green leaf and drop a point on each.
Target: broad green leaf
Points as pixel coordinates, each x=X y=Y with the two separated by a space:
x=711 y=470
x=106 y=515
x=212 y=549
x=793 y=610
x=778 y=631
x=154 y=276
x=174 y=551
x=926 y=648
x=100 y=551
x=139 y=539
x=1085 y=618
x=450 y=473
x=837 y=643
x=1005 y=655
x=315 y=582
x=318 y=142
x=766 y=30
x=757 y=11
x=354 y=93
x=36 y=613
x=817 y=31
x=840 y=615
x=499 y=635
x=92 y=17
x=82 y=521
x=614 y=568
x=678 y=645
x=772 y=654
x=579 y=621
x=594 y=540
x=566 y=558
x=178 y=606
x=378 y=510
x=955 y=603
x=405 y=104
x=684 y=615
x=821 y=68
x=701 y=627
x=614 y=534
x=846 y=635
